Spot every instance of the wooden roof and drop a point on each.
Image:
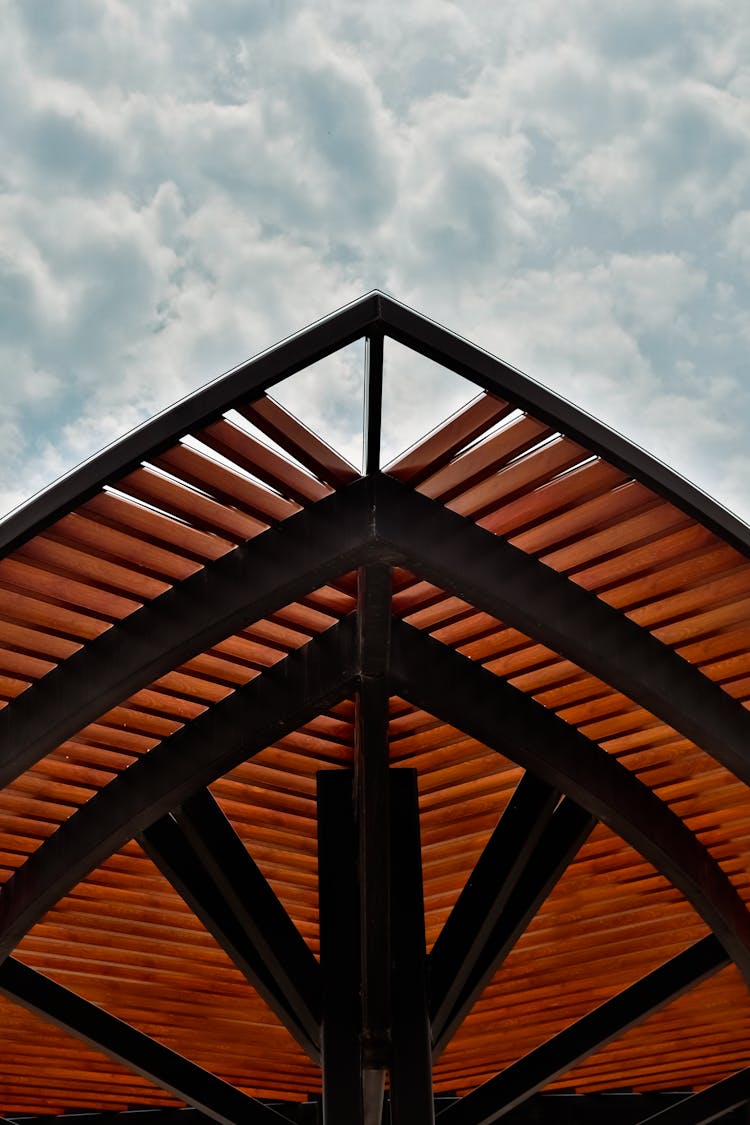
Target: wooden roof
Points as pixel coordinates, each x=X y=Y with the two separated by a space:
x=551 y=628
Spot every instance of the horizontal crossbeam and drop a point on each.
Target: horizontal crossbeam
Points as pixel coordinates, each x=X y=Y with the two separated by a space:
x=275 y=703
x=621 y=1108
x=140 y=1053
x=501 y=1094
x=201 y=855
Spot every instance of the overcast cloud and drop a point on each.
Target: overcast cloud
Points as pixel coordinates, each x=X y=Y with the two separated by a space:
x=184 y=183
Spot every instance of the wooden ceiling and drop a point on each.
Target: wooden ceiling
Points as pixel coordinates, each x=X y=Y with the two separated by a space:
x=531 y=556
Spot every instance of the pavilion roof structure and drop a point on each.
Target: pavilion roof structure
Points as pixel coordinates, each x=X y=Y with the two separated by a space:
x=414 y=789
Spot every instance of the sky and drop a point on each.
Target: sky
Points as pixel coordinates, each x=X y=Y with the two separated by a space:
x=182 y=184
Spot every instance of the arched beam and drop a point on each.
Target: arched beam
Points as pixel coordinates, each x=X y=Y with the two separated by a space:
x=509 y=584
x=373 y=519
x=432 y=676
x=261 y=576
x=275 y=703
x=455 y=689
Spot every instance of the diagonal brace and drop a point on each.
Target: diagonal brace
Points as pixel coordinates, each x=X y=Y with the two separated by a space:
x=524 y=858
x=200 y=853
x=514 y=1085
x=169 y=1070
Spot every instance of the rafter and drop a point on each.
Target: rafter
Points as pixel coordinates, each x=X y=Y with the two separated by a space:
x=140 y=1053
x=277 y=702
x=202 y=856
x=514 y=1085
x=375 y=523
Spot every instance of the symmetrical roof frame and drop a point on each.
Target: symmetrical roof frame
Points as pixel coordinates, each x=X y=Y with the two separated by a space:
x=373 y=524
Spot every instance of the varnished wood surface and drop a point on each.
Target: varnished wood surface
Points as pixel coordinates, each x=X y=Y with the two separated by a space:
x=124 y=939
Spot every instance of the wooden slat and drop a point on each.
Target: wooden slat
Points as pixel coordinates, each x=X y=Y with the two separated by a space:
x=430 y=453
x=250 y=454
x=304 y=445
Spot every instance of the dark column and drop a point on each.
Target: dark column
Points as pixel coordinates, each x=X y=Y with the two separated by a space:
x=339 y=950
x=411 y=1051
x=373 y=817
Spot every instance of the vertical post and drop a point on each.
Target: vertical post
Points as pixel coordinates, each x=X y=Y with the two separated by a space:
x=411 y=1047
x=339 y=950
x=373 y=402
x=372 y=796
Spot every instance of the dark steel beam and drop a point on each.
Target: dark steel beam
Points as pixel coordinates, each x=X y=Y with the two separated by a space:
x=453 y=688
x=567 y=831
x=373 y=313
x=340 y=955
x=444 y=347
x=373 y=411
x=372 y=812
x=526 y=855
x=513 y=586
x=245 y=382
x=199 y=852
x=411 y=1097
x=372 y=520
x=501 y=1094
x=619 y=1108
x=279 y=701
x=463 y=938
x=711 y=1104
x=140 y=1053
x=257 y=578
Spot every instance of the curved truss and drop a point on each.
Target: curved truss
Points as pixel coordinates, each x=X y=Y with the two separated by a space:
x=373 y=942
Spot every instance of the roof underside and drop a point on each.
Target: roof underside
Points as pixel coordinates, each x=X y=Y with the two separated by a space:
x=192 y=623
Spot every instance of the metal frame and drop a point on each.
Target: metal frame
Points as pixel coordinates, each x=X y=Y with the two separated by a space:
x=371 y=315
x=374 y=520
x=376 y=1003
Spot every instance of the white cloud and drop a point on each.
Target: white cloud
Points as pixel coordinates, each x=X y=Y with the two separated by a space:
x=182 y=185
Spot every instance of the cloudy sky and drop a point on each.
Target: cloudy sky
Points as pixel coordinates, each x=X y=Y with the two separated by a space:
x=184 y=183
